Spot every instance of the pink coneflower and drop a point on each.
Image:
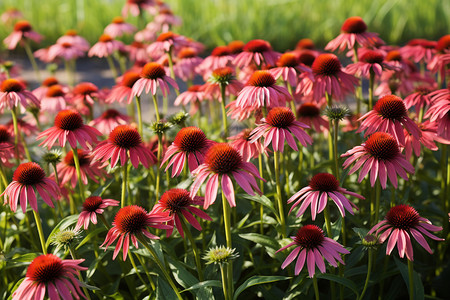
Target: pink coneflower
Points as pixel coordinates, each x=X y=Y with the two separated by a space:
x=309 y=114
x=380 y=155
x=54 y=100
x=88 y=168
x=25 y=128
x=166 y=42
x=66 y=51
x=427 y=137
x=105 y=46
x=41 y=91
x=179 y=204
x=124 y=142
x=167 y=19
x=91 y=207
x=137 y=51
x=69 y=126
x=371 y=62
x=108 y=120
x=402 y=222
x=7 y=146
x=123 y=90
x=11 y=15
x=222 y=160
x=72 y=37
x=148 y=34
x=389 y=115
x=119 y=27
x=190 y=145
x=84 y=95
x=248 y=149
x=236 y=47
x=258 y=52
x=327 y=77
x=13 y=93
x=48 y=274
x=220 y=57
x=152 y=76
x=419 y=50
x=353 y=31
x=288 y=67
x=441 y=59
x=187 y=63
x=26 y=178
x=22 y=32
x=280 y=126
x=194 y=95
x=220 y=76
x=439 y=111
x=311 y=247
x=321 y=187
x=421 y=97
x=136 y=7
x=132 y=222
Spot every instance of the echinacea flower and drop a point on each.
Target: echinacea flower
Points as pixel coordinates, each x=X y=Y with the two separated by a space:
x=131 y=222
x=221 y=77
x=427 y=137
x=13 y=93
x=123 y=90
x=166 y=42
x=220 y=255
x=309 y=114
x=54 y=100
x=280 y=126
x=389 y=115
x=71 y=36
x=321 y=187
x=223 y=161
x=10 y=15
x=190 y=145
x=88 y=168
x=421 y=97
x=353 y=31
x=108 y=120
x=248 y=149
x=49 y=275
x=46 y=84
x=312 y=247
x=419 y=50
x=124 y=142
x=401 y=222
x=439 y=111
x=152 y=76
x=22 y=32
x=258 y=52
x=69 y=127
x=137 y=7
x=85 y=93
x=105 y=46
x=92 y=207
x=371 y=63
x=27 y=178
x=220 y=57
x=179 y=204
x=166 y=19
x=288 y=67
x=441 y=58
x=194 y=95
x=380 y=155
x=187 y=62
x=66 y=51
x=119 y=27
x=6 y=145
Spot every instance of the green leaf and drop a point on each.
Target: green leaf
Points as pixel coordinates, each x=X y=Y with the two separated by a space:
x=341 y=280
x=261 y=239
x=164 y=291
x=90 y=287
x=204 y=284
x=102 y=188
x=181 y=275
x=419 y=292
x=255 y=280
x=91 y=235
x=262 y=200
x=66 y=222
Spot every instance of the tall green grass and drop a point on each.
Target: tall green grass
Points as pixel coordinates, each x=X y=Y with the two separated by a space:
x=282 y=22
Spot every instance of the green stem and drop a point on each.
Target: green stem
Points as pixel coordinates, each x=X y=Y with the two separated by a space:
x=326 y=214
x=194 y=247
x=369 y=270
x=86 y=292
x=155 y=104
x=335 y=147
x=227 y=225
x=124 y=184
x=130 y=255
x=16 y=132
x=330 y=123
x=371 y=87
x=30 y=55
x=78 y=169
x=139 y=112
x=292 y=103
x=224 y=282
x=57 y=183
x=40 y=230
x=358 y=92
x=316 y=287
x=279 y=197
x=112 y=66
x=102 y=218
x=158 y=173
x=152 y=284
x=261 y=207
x=377 y=201
x=224 y=113
x=70 y=79
x=411 y=279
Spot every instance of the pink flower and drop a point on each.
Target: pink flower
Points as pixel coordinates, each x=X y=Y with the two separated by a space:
x=166 y=42
x=109 y=120
x=48 y=274
x=119 y=27
x=389 y=115
x=258 y=52
x=309 y=114
x=179 y=204
x=7 y=146
x=69 y=127
x=421 y=97
x=222 y=160
x=187 y=63
x=137 y=51
x=54 y=100
x=84 y=94
x=288 y=67
x=136 y=7
x=91 y=207
x=194 y=95
x=248 y=149
x=26 y=178
x=189 y=145
x=131 y=222
x=220 y=57
x=439 y=111
x=67 y=51
x=41 y=91
x=220 y=76
x=321 y=187
x=441 y=58
x=312 y=247
x=124 y=142
x=280 y=126
x=427 y=138
x=105 y=46
x=10 y=15
x=402 y=222
x=165 y=19
x=371 y=62
x=22 y=32
x=353 y=31
x=123 y=90
x=152 y=76
x=74 y=39
x=380 y=155
x=419 y=50
x=13 y=93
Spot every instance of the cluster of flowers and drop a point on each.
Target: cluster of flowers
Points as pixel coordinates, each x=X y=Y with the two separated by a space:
x=284 y=93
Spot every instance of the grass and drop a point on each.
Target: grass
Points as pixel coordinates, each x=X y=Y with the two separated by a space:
x=216 y=22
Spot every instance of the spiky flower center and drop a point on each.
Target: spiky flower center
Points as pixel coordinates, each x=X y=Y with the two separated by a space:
x=83 y=157
x=110 y=114
x=423 y=43
x=45 y=268
x=258 y=46
x=424 y=89
x=382 y=146
x=309 y=110
x=153 y=70
x=4 y=134
x=403 y=217
x=118 y=20
x=221 y=51
x=280 y=117
x=307 y=58
x=190 y=139
x=67 y=45
x=125 y=136
x=443 y=43
x=175 y=200
x=393 y=55
x=372 y=57
x=29 y=173
x=390 y=107
x=55 y=91
x=236 y=47
x=68 y=120
x=309 y=237
x=166 y=36
x=287 y=60
x=324 y=182
x=85 y=88
x=326 y=64
x=131 y=219
x=71 y=32
x=195 y=88
x=105 y=38
x=187 y=52
x=129 y=79
x=354 y=25
x=12 y=85
x=23 y=26
x=222 y=75
x=246 y=134
x=222 y=158
x=91 y=204
x=261 y=78
x=305 y=44
x=48 y=82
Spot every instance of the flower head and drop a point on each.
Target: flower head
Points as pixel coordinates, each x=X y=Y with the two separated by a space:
x=65 y=238
x=91 y=207
x=22 y=31
x=105 y=46
x=108 y=120
x=123 y=90
x=152 y=76
x=309 y=114
x=257 y=52
x=248 y=149
x=119 y=27
x=220 y=255
x=13 y=93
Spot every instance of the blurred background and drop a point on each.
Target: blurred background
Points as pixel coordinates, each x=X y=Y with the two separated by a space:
x=217 y=22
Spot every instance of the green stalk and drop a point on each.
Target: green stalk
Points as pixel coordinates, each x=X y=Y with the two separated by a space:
x=112 y=66
x=139 y=112
x=30 y=55
x=130 y=255
x=371 y=86
x=279 y=197
x=155 y=104
x=70 y=79
x=377 y=202
x=224 y=113
x=330 y=123
x=40 y=230
x=261 y=207
x=57 y=183
x=77 y=167
x=86 y=292
x=224 y=282
x=369 y=269
x=358 y=94
x=158 y=173
x=124 y=184
x=335 y=147
x=194 y=247
x=326 y=214
x=411 y=279
x=152 y=284
x=227 y=225
x=16 y=133
x=316 y=287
